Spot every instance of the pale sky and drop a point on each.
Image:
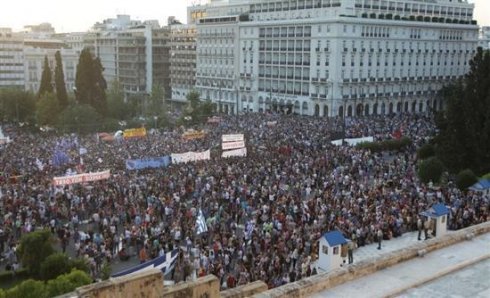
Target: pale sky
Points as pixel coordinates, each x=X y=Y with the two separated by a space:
x=80 y=15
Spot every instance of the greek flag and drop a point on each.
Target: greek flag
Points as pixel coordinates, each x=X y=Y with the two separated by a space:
x=201 y=226
x=165 y=263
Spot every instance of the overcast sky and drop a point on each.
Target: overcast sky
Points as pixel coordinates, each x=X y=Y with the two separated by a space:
x=80 y=15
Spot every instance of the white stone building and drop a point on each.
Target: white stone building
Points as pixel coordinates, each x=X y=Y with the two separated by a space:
x=132 y=52
x=332 y=57
x=484 y=39
x=34 y=53
x=182 y=60
x=11 y=60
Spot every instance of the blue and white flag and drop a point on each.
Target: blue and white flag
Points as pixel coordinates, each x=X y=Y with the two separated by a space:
x=249 y=229
x=201 y=226
x=164 y=263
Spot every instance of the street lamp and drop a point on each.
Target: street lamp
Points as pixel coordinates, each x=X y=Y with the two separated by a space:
x=155 y=118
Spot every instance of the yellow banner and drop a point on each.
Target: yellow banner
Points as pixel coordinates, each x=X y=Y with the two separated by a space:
x=192 y=135
x=134 y=133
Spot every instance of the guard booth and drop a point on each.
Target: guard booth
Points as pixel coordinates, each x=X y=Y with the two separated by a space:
x=438 y=216
x=330 y=251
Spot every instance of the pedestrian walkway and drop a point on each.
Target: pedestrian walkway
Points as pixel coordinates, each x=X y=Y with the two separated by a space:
x=371 y=251
x=399 y=278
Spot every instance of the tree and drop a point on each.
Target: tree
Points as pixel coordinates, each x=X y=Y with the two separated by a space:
x=90 y=83
x=465 y=179
x=54 y=265
x=34 y=248
x=59 y=81
x=196 y=111
x=430 y=170
x=66 y=283
x=81 y=118
x=28 y=289
x=46 y=85
x=425 y=151
x=17 y=105
x=47 y=109
x=464 y=138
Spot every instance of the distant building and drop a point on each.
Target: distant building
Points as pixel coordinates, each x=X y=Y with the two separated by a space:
x=182 y=60
x=11 y=60
x=34 y=53
x=331 y=57
x=132 y=52
x=484 y=38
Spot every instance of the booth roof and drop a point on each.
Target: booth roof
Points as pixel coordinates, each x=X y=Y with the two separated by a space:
x=335 y=238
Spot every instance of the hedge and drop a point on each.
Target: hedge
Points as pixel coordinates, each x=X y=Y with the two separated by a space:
x=387 y=145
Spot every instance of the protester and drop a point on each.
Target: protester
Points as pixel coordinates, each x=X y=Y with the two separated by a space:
x=264 y=213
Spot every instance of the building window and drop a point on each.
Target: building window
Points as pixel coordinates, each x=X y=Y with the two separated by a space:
x=336 y=250
x=325 y=249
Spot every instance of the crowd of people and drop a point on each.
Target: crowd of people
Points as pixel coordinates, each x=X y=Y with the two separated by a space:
x=264 y=212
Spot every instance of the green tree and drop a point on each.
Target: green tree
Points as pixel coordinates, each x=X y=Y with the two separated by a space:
x=28 y=289
x=117 y=107
x=425 y=151
x=81 y=118
x=90 y=83
x=196 y=110
x=17 y=105
x=47 y=109
x=46 y=85
x=66 y=283
x=465 y=179
x=430 y=170
x=464 y=138
x=59 y=81
x=34 y=248
x=54 y=265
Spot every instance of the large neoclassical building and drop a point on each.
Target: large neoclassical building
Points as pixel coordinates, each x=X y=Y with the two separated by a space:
x=331 y=57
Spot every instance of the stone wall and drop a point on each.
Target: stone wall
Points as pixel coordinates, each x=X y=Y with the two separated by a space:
x=245 y=290
x=204 y=287
x=323 y=281
x=146 y=284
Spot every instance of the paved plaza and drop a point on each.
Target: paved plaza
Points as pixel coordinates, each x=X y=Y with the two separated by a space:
x=393 y=280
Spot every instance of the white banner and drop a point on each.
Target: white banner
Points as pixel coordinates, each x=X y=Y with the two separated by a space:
x=81 y=178
x=190 y=156
x=233 y=145
x=353 y=141
x=232 y=153
x=233 y=138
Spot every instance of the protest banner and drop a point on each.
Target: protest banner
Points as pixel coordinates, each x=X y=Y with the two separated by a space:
x=233 y=145
x=214 y=120
x=140 y=164
x=242 y=152
x=134 y=133
x=192 y=135
x=353 y=141
x=190 y=156
x=81 y=178
x=232 y=138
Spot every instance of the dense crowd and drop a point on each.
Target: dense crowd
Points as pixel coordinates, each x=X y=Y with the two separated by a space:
x=264 y=212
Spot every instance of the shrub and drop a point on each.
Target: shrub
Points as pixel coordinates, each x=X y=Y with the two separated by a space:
x=426 y=151
x=28 y=289
x=430 y=170
x=387 y=145
x=54 y=265
x=67 y=283
x=465 y=179
x=34 y=248
x=486 y=176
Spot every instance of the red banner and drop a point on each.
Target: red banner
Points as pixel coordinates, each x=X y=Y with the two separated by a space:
x=81 y=178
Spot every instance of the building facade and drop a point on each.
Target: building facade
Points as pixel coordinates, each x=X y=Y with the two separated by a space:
x=134 y=53
x=11 y=60
x=332 y=57
x=34 y=53
x=484 y=40
x=182 y=60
